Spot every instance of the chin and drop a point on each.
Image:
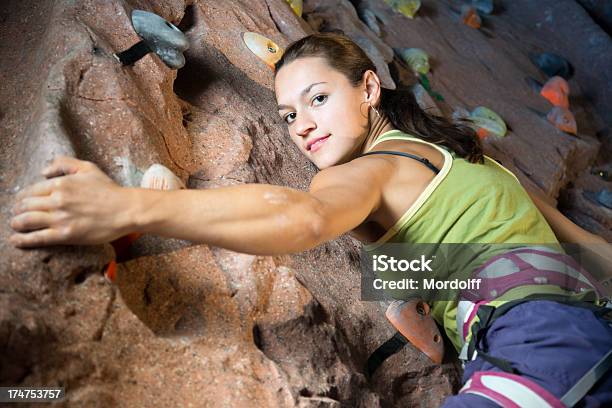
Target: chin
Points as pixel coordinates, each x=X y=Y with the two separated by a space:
x=325 y=163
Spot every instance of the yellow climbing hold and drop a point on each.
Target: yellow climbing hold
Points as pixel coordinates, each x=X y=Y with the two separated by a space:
x=417 y=59
x=263 y=47
x=407 y=7
x=296 y=6
x=485 y=118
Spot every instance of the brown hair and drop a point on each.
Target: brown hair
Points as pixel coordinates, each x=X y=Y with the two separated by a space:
x=399 y=105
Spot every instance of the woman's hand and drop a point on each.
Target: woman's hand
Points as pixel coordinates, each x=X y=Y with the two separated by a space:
x=78 y=204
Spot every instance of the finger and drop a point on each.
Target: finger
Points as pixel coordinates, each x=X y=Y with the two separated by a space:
x=31 y=221
x=42 y=188
x=65 y=165
x=44 y=203
x=37 y=238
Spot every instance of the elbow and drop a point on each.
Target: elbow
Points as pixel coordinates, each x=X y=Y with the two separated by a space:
x=316 y=224
x=317 y=230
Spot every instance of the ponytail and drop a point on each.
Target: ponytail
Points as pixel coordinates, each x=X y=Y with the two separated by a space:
x=405 y=114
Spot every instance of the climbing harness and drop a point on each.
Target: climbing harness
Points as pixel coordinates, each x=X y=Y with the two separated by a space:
x=509 y=388
x=523 y=266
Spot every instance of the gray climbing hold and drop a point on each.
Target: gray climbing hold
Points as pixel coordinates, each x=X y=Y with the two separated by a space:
x=158 y=36
x=484 y=6
x=602 y=197
x=369 y=18
x=553 y=65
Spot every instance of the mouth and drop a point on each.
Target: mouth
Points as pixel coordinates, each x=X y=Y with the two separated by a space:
x=316 y=145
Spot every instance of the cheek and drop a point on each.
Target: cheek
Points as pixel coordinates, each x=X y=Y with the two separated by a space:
x=353 y=120
x=298 y=141
x=344 y=117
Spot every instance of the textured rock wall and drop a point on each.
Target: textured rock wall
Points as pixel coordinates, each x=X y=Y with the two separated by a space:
x=192 y=324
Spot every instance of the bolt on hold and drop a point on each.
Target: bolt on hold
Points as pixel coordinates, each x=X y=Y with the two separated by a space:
x=158 y=36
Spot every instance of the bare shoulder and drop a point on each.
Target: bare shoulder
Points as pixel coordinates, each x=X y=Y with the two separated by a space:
x=366 y=172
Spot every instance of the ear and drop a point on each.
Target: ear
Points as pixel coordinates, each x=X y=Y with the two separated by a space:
x=371 y=85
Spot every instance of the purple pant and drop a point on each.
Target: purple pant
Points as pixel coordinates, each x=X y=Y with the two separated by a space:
x=551 y=344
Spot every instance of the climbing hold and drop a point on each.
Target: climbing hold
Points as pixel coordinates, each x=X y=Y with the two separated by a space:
x=156 y=177
x=484 y=6
x=602 y=197
x=158 y=36
x=416 y=58
x=425 y=101
x=297 y=6
x=553 y=65
x=424 y=81
x=369 y=18
x=160 y=177
x=470 y=17
x=482 y=133
x=120 y=245
x=483 y=120
x=556 y=91
x=563 y=119
x=487 y=120
x=414 y=321
x=406 y=7
x=263 y=47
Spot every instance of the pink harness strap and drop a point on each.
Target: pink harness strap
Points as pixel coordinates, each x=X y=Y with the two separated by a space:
x=510 y=390
x=512 y=269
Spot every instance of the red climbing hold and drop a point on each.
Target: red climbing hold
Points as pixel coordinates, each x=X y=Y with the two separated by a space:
x=563 y=119
x=556 y=91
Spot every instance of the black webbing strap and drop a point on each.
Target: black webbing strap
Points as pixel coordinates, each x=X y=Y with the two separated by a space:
x=582 y=387
x=412 y=156
x=386 y=350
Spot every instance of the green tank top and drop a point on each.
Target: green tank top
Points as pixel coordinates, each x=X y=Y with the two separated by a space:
x=469 y=203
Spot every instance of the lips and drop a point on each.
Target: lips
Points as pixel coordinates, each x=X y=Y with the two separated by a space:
x=312 y=143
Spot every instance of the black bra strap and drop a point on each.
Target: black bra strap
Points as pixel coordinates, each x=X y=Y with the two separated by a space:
x=412 y=156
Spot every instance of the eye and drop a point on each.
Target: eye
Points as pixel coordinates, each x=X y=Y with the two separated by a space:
x=319 y=100
x=289 y=118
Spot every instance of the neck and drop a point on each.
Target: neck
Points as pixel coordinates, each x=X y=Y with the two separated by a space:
x=379 y=126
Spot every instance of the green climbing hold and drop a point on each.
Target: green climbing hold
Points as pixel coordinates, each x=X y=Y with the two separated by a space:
x=297 y=6
x=486 y=119
x=407 y=7
x=424 y=81
x=416 y=58
x=483 y=120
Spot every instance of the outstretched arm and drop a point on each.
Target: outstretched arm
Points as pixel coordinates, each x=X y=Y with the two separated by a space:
x=596 y=253
x=265 y=219
x=563 y=227
x=84 y=206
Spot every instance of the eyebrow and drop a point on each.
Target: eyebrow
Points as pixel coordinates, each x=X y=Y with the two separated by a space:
x=304 y=92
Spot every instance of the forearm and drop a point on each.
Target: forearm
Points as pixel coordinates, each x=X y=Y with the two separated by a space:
x=563 y=227
x=259 y=219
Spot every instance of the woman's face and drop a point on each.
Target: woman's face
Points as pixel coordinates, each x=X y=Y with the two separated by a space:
x=316 y=101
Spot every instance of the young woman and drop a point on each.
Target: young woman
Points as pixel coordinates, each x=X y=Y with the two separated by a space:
x=426 y=180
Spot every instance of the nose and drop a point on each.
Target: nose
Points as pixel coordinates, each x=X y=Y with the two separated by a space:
x=304 y=125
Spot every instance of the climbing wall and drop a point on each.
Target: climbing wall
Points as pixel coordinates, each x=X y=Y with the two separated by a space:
x=192 y=324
